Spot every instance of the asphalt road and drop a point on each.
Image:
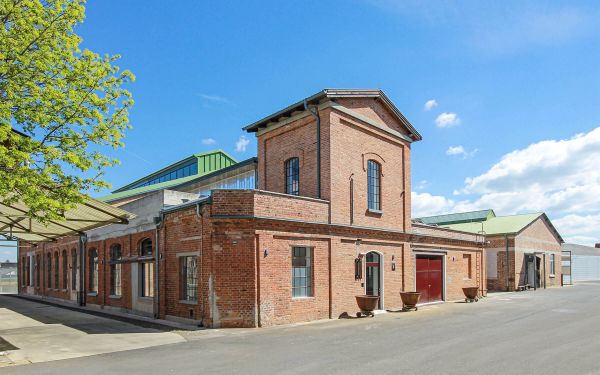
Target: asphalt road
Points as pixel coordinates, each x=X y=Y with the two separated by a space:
x=554 y=331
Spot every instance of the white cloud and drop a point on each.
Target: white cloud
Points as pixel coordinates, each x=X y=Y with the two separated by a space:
x=460 y=150
x=559 y=177
x=455 y=150
x=447 y=120
x=425 y=204
x=208 y=141
x=242 y=144
x=581 y=229
x=215 y=99
x=430 y=104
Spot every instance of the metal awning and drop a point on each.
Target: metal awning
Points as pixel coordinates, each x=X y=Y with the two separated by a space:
x=91 y=214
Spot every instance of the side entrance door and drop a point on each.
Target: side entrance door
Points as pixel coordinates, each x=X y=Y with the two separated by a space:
x=430 y=277
x=373 y=273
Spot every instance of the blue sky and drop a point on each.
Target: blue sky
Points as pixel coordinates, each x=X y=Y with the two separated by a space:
x=505 y=76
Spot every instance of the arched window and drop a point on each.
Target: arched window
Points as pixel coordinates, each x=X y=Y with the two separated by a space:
x=374 y=185
x=56 y=264
x=292 y=176
x=146 y=247
x=74 y=269
x=65 y=270
x=93 y=267
x=115 y=270
x=49 y=270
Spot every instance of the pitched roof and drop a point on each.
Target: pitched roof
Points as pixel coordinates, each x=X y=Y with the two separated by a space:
x=201 y=170
x=459 y=217
x=173 y=183
x=332 y=94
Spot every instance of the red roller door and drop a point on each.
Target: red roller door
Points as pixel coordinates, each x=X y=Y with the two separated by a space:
x=430 y=277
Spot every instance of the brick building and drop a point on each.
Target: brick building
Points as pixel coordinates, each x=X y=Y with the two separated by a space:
x=522 y=251
x=321 y=215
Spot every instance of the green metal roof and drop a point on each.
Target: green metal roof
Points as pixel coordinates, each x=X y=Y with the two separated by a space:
x=457 y=218
x=175 y=183
x=497 y=225
x=145 y=189
x=206 y=162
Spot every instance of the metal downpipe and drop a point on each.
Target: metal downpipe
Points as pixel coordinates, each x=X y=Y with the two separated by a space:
x=315 y=113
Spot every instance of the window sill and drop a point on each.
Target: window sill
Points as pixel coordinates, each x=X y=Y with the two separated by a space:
x=113 y=296
x=552 y=276
x=146 y=298
x=375 y=212
x=186 y=302
x=92 y=294
x=302 y=298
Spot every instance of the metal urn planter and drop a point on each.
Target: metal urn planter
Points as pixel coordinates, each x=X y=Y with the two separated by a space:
x=471 y=293
x=410 y=300
x=366 y=305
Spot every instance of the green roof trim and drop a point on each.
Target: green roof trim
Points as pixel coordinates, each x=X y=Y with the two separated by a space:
x=145 y=189
x=512 y=224
x=458 y=218
x=206 y=162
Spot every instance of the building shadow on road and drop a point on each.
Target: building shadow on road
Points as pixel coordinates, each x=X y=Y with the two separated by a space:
x=90 y=322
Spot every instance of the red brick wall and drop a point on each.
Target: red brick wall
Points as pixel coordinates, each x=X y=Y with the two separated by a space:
x=346 y=146
x=537 y=237
x=129 y=246
x=297 y=139
x=275 y=277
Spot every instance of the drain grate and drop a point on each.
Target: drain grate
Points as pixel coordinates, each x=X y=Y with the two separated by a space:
x=5 y=345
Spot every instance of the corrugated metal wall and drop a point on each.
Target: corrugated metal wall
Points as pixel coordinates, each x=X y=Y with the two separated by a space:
x=585 y=267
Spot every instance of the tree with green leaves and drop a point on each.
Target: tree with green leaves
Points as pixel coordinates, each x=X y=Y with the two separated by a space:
x=60 y=107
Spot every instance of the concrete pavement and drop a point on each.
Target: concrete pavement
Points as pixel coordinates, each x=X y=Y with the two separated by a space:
x=554 y=331
x=43 y=333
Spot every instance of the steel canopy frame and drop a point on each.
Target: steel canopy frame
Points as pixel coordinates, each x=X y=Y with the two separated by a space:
x=16 y=224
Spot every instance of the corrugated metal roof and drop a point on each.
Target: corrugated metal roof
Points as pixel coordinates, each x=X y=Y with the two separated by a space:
x=459 y=217
x=336 y=93
x=497 y=225
x=14 y=222
x=172 y=183
x=203 y=167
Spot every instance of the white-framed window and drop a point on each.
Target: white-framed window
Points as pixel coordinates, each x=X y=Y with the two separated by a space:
x=147 y=279
x=374 y=185
x=292 y=176
x=93 y=266
x=301 y=272
x=188 y=273
x=115 y=270
x=552 y=264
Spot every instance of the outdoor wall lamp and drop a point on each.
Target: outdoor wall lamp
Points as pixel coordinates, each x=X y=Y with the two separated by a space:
x=266 y=253
x=393 y=262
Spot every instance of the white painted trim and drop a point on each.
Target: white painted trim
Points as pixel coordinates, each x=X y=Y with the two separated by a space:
x=381 y=276
x=188 y=254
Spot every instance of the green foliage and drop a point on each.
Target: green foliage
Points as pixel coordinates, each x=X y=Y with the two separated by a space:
x=69 y=102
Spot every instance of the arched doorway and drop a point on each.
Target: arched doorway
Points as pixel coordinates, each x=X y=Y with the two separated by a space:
x=374 y=276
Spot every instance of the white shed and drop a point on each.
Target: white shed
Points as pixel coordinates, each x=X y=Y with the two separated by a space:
x=584 y=262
